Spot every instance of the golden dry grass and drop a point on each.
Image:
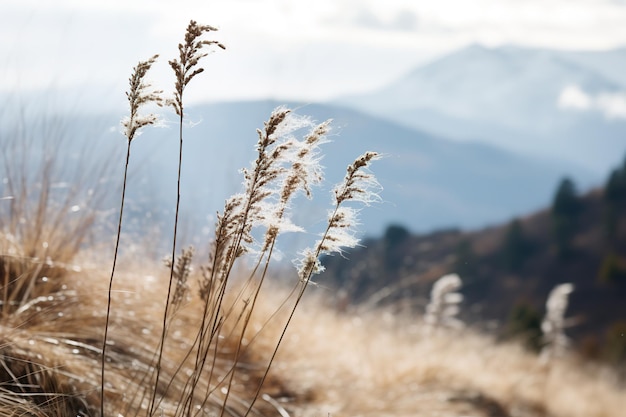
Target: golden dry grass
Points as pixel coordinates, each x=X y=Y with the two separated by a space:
x=374 y=364
x=349 y=364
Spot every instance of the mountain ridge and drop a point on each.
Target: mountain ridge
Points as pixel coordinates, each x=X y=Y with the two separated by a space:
x=428 y=182
x=516 y=98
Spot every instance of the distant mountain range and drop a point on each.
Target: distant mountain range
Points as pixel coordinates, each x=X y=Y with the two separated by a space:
x=505 y=125
x=567 y=105
x=428 y=182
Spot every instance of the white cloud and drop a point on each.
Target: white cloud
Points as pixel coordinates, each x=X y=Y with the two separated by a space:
x=573 y=97
x=308 y=50
x=404 y=20
x=612 y=105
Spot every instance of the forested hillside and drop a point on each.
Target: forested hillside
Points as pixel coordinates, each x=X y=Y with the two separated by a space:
x=509 y=269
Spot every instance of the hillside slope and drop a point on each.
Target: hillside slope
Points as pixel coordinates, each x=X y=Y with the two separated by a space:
x=508 y=271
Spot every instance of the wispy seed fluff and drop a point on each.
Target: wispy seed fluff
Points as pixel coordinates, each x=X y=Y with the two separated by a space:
x=140 y=94
x=553 y=325
x=304 y=172
x=444 y=303
x=285 y=166
x=359 y=185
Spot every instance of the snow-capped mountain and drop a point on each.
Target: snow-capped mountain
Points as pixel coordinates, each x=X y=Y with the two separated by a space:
x=568 y=105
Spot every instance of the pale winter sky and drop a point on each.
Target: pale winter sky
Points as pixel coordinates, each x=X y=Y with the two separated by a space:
x=285 y=49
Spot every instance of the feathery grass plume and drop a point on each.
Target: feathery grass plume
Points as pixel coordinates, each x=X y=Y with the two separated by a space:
x=185 y=69
x=139 y=95
x=305 y=171
x=182 y=270
x=554 y=323
x=190 y=53
x=359 y=185
x=268 y=186
x=283 y=165
x=444 y=303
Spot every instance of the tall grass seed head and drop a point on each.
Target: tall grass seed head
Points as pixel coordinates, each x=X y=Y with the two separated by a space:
x=358 y=185
x=553 y=324
x=189 y=56
x=139 y=95
x=444 y=302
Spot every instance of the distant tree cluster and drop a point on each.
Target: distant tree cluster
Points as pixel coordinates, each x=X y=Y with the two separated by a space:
x=615 y=188
x=613 y=267
x=566 y=208
x=517 y=248
x=395 y=236
x=615 y=200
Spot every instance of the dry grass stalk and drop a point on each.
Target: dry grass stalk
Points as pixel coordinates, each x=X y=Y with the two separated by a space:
x=444 y=303
x=554 y=323
x=182 y=270
x=45 y=221
x=185 y=69
x=359 y=185
x=190 y=54
x=284 y=166
x=139 y=95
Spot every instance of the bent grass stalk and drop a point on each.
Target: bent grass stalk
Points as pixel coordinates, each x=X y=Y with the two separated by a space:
x=303 y=172
x=358 y=185
x=276 y=148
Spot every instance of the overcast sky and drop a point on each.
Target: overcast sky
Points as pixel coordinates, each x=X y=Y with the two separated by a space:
x=285 y=49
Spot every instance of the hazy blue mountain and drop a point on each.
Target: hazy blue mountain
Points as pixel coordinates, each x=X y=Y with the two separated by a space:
x=429 y=182
x=515 y=98
x=610 y=63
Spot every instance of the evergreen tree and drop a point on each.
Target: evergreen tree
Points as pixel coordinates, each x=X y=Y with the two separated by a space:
x=615 y=188
x=395 y=236
x=566 y=201
x=516 y=248
x=566 y=207
x=615 y=198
